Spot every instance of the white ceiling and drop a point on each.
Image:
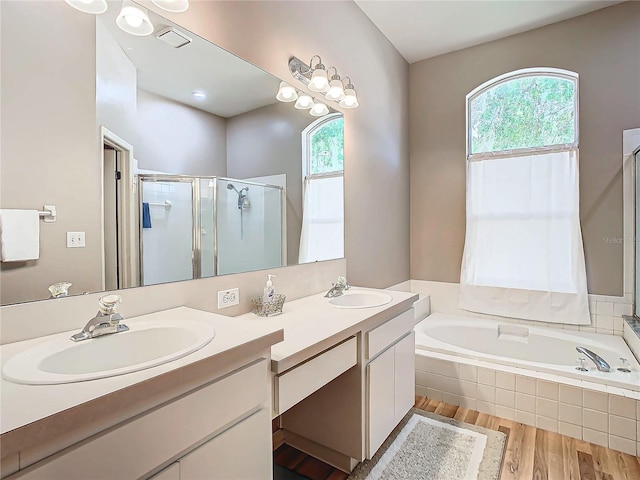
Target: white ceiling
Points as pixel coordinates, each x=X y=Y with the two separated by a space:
x=232 y=85
x=421 y=29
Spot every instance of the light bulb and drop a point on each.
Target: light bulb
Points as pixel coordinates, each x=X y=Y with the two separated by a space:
x=350 y=100
x=95 y=7
x=176 y=6
x=304 y=102
x=286 y=93
x=134 y=19
x=336 y=92
x=319 y=82
x=319 y=109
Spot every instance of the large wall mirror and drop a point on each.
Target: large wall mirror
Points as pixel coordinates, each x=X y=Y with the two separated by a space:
x=166 y=157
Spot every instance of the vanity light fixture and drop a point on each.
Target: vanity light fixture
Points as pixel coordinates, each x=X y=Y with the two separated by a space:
x=96 y=7
x=315 y=77
x=350 y=100
x=286 y=93
x=304 y=102
x=177 y=6
x=134 y=19
x=319 y=109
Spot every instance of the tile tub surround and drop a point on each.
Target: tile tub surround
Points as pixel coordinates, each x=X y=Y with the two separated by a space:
x=606 y=416
x=606 y=311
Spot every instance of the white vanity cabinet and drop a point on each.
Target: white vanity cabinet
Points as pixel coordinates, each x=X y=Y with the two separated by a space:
x=220 y=430
x=390 y=377
x=236 y=454
x=390 y=390
x=348 y=419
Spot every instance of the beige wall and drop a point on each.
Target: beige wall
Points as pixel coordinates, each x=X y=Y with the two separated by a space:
x=176 y=138
x=35 y=148
x=376 y=134
x=276 y=148
x=603 y=48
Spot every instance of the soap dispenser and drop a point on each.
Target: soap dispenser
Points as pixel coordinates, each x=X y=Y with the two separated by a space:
x=269 y=290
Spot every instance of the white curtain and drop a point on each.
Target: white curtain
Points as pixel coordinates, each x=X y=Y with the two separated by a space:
x=322 y=236
x=523 y=254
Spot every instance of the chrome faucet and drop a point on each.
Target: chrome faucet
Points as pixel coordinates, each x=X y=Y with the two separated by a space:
x=106 y=321
x=338 y=288
x=601 y=365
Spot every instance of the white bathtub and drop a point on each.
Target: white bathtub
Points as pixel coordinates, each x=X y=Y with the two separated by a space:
x=536 y=348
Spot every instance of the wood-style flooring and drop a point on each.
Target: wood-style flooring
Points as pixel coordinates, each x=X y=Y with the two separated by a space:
x=531 y=453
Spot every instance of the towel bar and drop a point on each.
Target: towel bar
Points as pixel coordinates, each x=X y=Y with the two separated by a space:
x=48 y=213
x=166 y=204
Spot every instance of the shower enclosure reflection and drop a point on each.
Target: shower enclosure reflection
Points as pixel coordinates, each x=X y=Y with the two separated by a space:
x=195 y=227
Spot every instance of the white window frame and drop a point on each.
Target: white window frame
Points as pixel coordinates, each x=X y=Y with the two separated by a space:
x=507 y=77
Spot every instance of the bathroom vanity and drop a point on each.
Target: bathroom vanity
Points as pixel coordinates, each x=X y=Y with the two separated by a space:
x=344 y=377
x=340 y=381
x=206 y=412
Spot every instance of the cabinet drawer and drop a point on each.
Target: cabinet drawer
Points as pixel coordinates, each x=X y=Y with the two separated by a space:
x=381 y=337
x=164 y=432
x=301 y=381
x=241 y=453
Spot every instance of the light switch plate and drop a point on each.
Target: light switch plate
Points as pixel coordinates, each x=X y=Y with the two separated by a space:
x=228 y=298
x=75 y=240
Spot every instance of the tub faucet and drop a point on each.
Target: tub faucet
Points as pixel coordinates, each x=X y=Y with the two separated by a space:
x=338 y=288
x=601 y=365
x=106 y=321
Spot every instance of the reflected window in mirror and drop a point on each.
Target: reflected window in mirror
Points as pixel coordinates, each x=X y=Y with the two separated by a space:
x=322 y=235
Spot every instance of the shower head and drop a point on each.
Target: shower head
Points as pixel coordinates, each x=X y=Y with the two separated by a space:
x=243 y=201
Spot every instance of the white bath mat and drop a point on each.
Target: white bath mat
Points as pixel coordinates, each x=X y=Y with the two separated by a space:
x=428 y=446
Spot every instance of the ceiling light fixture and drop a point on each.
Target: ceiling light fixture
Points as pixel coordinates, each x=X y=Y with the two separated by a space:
x=134 y=19
x=286 y=93
x=177 y=6
x=198 y=94
x=96 y=7
x=315 y=77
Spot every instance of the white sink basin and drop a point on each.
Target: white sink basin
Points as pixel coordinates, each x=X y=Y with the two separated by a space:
x=360 y=299
x=145 y=345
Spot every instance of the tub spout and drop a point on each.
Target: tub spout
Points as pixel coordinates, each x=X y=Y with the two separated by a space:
x=601 y=365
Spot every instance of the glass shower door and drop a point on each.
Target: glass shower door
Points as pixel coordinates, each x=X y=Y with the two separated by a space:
x=249 y=224
x=166 y=230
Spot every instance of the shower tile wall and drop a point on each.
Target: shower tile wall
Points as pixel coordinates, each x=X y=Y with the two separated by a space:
x=600 y=417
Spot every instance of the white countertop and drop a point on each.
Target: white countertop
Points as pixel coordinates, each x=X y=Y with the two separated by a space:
x=312 y=325
x=25 y=404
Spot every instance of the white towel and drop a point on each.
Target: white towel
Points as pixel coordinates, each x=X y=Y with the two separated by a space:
x=19 y=235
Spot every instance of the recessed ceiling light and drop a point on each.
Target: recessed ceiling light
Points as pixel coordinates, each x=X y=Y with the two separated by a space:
x=199 y=94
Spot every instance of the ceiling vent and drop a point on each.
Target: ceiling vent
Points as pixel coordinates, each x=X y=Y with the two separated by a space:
x=173 y=37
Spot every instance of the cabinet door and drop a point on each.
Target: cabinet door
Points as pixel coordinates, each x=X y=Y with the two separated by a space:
x=405 y=382
x=381 y=401
x=242 y=452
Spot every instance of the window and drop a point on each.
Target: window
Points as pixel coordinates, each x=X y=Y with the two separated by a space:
x=322 y=235
x=523 y=254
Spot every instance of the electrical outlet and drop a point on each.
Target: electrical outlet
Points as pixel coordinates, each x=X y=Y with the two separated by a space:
x=228 y=298
x=75 y=240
